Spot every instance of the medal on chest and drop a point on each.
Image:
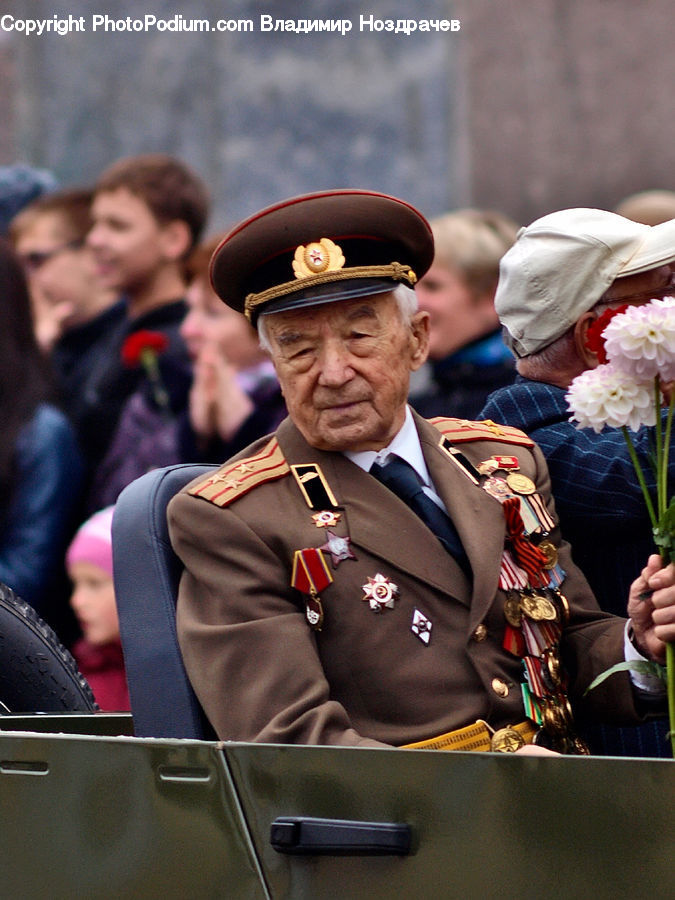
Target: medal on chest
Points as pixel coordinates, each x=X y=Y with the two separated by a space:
x=310 y=576
x=338 y=547
x=380 y=592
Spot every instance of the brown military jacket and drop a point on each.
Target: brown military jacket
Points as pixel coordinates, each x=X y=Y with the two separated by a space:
x=263 y=674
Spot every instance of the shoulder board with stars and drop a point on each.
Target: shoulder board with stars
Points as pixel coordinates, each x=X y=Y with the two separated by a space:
x=458 y=430
x=238 y=478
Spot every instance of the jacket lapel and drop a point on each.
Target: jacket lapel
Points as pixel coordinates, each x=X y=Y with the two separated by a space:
x=477 y=517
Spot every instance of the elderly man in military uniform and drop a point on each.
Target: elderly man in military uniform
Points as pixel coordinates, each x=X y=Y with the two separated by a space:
x=365 y=576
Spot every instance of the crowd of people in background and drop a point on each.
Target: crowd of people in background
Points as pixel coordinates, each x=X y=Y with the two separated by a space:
x=116 y=357
x=93 y=279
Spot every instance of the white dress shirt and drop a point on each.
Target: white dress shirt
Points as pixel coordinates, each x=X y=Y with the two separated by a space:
x=406 y=445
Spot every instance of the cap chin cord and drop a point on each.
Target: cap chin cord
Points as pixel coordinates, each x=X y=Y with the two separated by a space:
x=395 y=271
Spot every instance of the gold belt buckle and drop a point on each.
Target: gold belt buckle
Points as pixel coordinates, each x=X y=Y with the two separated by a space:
x=510 y=738
x=506 y=740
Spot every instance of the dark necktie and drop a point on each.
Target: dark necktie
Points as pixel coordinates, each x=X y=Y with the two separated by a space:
x=400 y=477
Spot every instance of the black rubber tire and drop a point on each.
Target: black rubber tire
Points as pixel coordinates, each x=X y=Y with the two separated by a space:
x=37 y=673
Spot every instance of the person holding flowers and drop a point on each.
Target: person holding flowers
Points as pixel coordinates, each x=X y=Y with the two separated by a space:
x=561 y=285
x=365 y=576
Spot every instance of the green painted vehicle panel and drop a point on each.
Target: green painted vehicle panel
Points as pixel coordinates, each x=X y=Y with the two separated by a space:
x=123 y=817
x=484 y=825
x=95 y=817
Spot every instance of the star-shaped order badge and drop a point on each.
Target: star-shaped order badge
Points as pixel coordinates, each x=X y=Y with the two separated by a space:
x=338 y=547
x=326 y=518
x=380 y=592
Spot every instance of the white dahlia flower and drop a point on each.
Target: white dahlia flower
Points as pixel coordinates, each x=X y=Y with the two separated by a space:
x=608 y=396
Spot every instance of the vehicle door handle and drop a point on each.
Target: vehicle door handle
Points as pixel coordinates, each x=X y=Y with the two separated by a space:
x=303 y=834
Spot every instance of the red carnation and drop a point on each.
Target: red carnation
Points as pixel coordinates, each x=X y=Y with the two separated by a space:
x=142 y=348
x=594 y=336
x=142 y=341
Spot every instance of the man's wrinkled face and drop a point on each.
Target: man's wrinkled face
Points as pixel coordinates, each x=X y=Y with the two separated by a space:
x=344 y=369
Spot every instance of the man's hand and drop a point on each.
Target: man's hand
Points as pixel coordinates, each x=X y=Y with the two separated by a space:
x=535 y=750
x=667 y=388
x=651 y=607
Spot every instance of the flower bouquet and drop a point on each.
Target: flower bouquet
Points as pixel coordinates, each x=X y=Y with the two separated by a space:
x=143 y=348
x=631 y=388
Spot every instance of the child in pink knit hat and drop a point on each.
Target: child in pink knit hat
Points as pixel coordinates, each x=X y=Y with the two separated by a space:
x=99 y=652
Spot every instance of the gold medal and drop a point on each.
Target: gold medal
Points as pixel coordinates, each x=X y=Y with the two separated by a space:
x=326 y=518
x=550 y=551
x=553 y=720
x=564 y=606
x=538 y=608
x=520 y=484
x=512 y=610
x=553 y=666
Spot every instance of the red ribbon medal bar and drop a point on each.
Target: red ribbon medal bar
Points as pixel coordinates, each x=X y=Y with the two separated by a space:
x=528 y=556
x=310 y=576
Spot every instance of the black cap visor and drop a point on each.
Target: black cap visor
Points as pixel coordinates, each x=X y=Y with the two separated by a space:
x=328 y=293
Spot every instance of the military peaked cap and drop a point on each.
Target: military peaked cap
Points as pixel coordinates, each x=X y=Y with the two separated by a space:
x=318 y=248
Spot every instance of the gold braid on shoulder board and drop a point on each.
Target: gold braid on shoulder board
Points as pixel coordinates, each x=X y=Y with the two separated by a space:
x=237 y=478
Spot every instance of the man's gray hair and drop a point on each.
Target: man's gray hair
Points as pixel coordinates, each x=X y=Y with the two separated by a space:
x=555 y=358
x=406 y=300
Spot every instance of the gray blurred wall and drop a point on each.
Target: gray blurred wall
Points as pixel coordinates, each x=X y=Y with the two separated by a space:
x=568 y=102
x=529 y=107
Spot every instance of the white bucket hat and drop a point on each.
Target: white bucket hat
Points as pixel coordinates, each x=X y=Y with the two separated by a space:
x=562 y=264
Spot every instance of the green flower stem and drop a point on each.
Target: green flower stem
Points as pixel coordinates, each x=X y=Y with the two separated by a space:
x=640 y=476
x=670 y=680
x=662 y=439
x=151 y=366
x=658 y=435
x=663 y=526
x=663 y=474
x=662 y=478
